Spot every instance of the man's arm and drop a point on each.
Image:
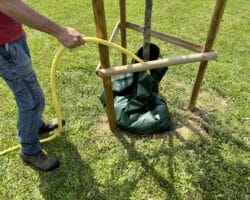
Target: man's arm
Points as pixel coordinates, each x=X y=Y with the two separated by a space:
x=21 y=12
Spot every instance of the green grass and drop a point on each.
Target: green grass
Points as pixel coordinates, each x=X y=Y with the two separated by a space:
x=205 y=157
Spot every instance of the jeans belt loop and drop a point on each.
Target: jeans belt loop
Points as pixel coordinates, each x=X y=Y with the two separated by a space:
x=6 y=46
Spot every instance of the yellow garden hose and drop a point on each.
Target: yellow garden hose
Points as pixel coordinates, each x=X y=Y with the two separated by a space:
x=53 y=84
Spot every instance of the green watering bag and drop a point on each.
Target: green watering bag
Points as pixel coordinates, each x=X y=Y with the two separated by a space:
x=138 y=106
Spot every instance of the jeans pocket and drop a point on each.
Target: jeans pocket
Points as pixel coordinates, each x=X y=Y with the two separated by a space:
x=4 y=52
x=9 y=52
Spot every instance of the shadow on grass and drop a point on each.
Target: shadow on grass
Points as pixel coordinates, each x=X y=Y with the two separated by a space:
x=149 y=169
x=213 y=176
x=223 y=175
x=74 y=179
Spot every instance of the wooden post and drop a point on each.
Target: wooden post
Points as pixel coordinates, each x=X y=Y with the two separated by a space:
x=101 y=32
x=123 y=29
x=111 y=39
x=147 y=29
x=213 y=30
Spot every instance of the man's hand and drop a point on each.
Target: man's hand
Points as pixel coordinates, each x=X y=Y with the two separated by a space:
x=70 y=38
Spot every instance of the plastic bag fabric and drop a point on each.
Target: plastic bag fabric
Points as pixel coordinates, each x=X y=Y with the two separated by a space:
x=138 y=106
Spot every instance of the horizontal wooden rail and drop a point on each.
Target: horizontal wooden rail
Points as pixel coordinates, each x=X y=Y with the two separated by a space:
x=171 y=39
x=156 y=64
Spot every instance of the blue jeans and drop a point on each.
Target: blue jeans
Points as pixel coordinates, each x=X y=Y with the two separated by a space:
x=16 y=70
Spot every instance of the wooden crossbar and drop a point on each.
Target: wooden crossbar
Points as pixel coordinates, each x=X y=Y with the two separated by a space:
x=168 y=38
x=156 y=64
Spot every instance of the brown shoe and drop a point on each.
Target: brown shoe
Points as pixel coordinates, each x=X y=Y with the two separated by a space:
x=40 y=160
x=50 y=125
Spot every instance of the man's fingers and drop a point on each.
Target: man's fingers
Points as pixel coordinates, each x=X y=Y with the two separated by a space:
x=82 y=41
x=71 y=38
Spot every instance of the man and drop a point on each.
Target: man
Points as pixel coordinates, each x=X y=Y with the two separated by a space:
x=16 y=70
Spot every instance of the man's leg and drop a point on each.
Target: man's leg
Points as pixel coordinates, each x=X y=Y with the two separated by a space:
x=20 y=77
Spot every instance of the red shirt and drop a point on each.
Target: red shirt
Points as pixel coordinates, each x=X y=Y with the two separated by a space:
x=10 y=30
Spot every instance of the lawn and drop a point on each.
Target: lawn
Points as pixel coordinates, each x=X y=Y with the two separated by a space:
x=206 y=156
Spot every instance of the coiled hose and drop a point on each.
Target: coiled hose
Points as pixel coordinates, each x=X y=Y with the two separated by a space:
x=53 y=85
